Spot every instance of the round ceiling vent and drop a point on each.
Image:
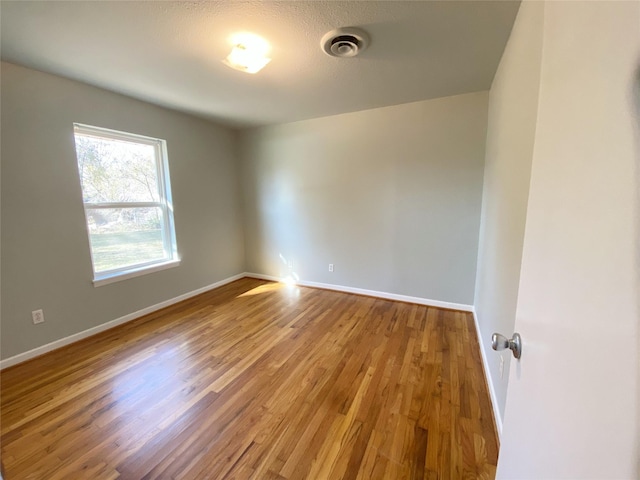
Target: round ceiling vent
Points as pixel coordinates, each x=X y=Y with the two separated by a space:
x=344 y=42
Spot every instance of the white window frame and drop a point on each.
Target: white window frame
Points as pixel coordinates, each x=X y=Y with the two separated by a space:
x=165 y=203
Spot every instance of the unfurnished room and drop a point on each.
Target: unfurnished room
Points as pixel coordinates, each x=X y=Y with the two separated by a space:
x=320 y=240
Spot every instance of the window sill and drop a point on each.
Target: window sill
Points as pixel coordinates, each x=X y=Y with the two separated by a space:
x=101 y=280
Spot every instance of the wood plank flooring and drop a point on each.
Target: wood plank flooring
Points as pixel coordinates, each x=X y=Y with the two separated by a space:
x=257 y=380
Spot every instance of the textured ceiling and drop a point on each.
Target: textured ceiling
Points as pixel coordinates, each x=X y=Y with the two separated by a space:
x=169 y=53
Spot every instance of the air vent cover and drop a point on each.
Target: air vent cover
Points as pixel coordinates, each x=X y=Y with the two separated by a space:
x=344 y=42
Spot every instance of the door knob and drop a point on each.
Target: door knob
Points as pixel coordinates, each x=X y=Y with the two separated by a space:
x=500 y=342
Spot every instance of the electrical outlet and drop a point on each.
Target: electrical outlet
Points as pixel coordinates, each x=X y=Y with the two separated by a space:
x=501 y=366
x=37 y=316
x=331 y=267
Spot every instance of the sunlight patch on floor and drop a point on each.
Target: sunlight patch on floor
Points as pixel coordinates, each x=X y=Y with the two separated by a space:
x=269 y=287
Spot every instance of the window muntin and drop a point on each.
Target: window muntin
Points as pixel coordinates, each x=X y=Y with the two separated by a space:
x=127 y=200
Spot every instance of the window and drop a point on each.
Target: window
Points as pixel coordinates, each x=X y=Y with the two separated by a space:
x=127 y=202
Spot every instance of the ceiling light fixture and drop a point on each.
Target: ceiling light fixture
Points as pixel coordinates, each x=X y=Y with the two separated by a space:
x=249 y=53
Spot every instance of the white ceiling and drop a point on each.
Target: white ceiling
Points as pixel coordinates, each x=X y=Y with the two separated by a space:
x=169 y=53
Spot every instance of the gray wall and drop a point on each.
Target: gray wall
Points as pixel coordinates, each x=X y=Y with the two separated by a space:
x=390 y=196
x=45 y=250
x=513 y=108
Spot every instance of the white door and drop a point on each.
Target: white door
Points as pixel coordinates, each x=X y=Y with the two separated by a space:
x=573 y=400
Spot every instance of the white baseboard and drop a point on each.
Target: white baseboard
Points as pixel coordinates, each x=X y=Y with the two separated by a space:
x=371 y=293
x=485 y=364
x=23 y=357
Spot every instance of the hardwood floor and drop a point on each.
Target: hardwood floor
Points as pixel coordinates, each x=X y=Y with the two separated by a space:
x=257 y=380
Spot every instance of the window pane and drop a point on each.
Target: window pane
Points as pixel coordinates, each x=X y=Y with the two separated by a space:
x=122 y=237
x=116 y=170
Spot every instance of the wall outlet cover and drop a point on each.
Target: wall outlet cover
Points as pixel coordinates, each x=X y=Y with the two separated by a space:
x=37 y=316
